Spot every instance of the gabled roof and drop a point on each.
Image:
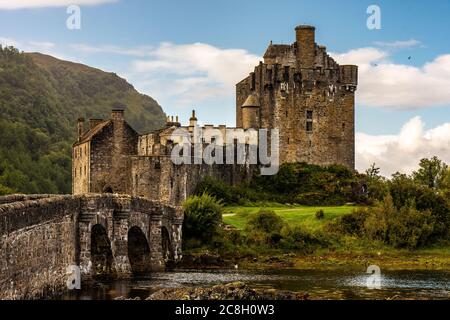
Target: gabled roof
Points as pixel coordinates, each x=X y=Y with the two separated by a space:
x=88 y=135
x=276 y=50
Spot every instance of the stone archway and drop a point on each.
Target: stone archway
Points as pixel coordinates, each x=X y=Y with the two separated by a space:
x=166 y=245
x=138 y=252
x=101 y=253
x=108 y=190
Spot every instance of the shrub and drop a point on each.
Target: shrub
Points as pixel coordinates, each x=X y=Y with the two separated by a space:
x=264 y=227
x=203 y=215
x=320 y=215
x=265 y=221
x=411 y=228
x=406 y=227
x=351 y=224
x=298 y=238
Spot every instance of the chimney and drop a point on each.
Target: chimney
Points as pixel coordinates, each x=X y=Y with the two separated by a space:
x=94 y=122
x=80 y=127
x=117 y=114
x=306 y=46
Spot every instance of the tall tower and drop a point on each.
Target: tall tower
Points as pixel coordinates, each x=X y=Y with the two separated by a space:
x=300 y=90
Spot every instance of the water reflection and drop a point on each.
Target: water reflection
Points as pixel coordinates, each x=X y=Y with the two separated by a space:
x=329 y=284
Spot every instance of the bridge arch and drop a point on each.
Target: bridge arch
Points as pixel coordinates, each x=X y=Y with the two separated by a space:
x=138 y=251
x=101 y=253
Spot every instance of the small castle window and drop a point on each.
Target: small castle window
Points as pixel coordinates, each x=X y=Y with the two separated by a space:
x=253 y=85
x=81 y=172
x=343 y=126
x=286 y=74
x=287 y=113
x=309 y=121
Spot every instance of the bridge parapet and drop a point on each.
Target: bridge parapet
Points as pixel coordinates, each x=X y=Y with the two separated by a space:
x=42 y=235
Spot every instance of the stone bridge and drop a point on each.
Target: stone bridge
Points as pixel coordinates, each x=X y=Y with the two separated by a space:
x=104 y=235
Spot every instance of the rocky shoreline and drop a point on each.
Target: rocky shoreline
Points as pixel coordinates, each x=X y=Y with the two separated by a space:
x=230 y=291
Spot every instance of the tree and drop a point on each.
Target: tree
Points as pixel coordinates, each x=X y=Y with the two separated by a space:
x=431 y=172
x=373 y=172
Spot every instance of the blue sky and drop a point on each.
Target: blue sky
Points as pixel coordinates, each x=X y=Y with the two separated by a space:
x=188 y=54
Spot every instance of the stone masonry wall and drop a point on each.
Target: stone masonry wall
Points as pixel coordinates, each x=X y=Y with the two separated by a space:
x=158 y=178
x=37 y=244
x=40 y=238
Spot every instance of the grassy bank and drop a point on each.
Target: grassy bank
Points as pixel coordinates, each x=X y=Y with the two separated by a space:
x=294 y=215
x=350 y=252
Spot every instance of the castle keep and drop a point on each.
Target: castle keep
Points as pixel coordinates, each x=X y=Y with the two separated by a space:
x=303 y=92
x=298 y=89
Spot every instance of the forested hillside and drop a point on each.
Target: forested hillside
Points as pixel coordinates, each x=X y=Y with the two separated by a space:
x=40 y=99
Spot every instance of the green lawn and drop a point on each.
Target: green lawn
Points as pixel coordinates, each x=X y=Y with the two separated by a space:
x=294 y=215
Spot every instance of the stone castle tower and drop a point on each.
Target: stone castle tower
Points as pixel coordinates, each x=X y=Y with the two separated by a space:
x=300 y=90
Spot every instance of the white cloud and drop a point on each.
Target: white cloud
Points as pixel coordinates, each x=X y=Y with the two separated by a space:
x=399 y=44
x=193 y=72
x=26 y=4
x=134 y=52
x=383 y=83
x=402 y=152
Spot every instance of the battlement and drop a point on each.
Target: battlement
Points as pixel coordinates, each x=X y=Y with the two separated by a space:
x=303 y=92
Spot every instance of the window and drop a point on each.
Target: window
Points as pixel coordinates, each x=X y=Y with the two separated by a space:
x=286 y=74
x=253 y=85
x=309 y=121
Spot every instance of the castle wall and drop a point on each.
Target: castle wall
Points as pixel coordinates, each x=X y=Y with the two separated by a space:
x=109 y=160
x=158 y=178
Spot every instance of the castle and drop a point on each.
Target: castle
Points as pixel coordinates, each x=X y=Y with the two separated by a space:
x=298 y=89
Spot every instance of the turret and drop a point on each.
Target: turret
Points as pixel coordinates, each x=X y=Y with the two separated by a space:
x=193 y=119
x=250 y=112
x=349 y=75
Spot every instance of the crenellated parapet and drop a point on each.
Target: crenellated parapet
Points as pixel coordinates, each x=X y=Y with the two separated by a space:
x=302 y=91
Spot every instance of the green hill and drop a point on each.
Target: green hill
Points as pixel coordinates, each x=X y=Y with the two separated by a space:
x=40 y=99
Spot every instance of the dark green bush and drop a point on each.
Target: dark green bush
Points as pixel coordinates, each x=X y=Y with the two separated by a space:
x=264 y=227
x=411 y=228
x=406 y=227
x=320 y=215
x=203 y=215
x=298 y=238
